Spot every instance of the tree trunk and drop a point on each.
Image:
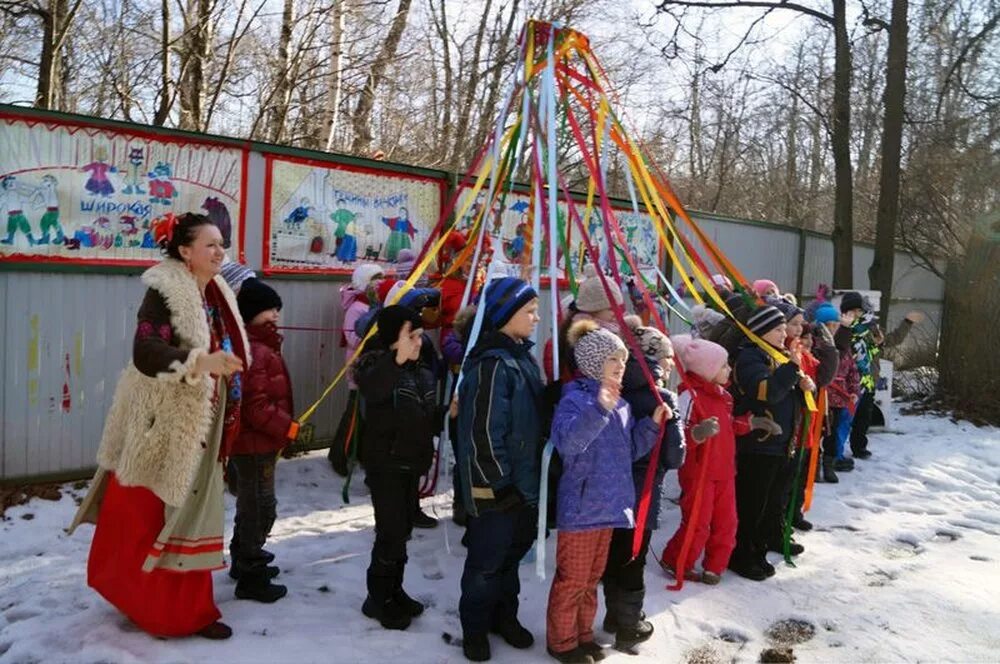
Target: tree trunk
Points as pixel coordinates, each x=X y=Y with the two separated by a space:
x=880 y=272
x=843 y=212
x=197 y=49
x=335 y=85
x=56 y=20
x=361 y=118
x=166 y=101
x=282 y=84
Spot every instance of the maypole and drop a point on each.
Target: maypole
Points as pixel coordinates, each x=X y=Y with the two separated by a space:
x=561 y=99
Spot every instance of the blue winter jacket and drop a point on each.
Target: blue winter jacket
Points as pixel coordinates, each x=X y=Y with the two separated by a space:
x=597 y=448
x=498 y=449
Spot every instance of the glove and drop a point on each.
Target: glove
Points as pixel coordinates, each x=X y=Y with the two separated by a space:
x=508 y=498
x=705 y=429
x=766 y=424
x=293 y=430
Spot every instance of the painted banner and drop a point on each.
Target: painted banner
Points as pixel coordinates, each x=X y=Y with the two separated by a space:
x=324 y=217
x=84 y=194
x=510 y=229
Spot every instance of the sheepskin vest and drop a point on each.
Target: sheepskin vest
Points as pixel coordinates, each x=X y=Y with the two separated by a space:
x=155 y=428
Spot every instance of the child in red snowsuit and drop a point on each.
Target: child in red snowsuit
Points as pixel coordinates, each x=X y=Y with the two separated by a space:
x=706 y=408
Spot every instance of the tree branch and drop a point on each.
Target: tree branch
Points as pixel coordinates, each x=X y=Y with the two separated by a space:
x=727 y=4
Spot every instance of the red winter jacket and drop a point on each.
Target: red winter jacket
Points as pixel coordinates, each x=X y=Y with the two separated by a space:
x=709 y=400
x=266 y=411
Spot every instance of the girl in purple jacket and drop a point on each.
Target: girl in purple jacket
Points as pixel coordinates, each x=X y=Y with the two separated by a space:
x=597 y=439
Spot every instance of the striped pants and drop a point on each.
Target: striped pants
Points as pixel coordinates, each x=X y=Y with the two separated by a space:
x=580 y=560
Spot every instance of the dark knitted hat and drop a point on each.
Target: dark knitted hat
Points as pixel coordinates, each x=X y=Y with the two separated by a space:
x=254 y=297
x=391 y=320
x=765 y=319
x=850 y=301
x=503 y=299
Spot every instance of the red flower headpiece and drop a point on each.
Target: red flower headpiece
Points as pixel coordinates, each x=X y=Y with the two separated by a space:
x=163 y=228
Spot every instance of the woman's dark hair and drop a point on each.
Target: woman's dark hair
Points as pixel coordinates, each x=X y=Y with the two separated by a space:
x=184 y=233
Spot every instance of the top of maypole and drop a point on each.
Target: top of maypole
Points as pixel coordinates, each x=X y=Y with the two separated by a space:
x=540 y=32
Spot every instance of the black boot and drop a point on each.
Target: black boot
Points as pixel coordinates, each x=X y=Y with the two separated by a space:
x=748 y=568
x=259 y=588
x=778 y=546
x=476 y=647
x=575 y=656
x=800 y=523
x=829 y=472
x=268 y=572
x=410 y=605
x=380 y=605
x=514 y=633
x=632 y=628
x=844 y=465
x=423 y=520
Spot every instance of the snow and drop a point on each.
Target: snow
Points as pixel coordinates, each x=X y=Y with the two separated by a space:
x=903 y=566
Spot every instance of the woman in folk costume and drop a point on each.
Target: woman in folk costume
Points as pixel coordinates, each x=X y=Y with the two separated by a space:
x=157 y=495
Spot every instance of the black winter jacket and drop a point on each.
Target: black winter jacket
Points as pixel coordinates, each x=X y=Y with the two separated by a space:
x=763 y=388
x=401 y=413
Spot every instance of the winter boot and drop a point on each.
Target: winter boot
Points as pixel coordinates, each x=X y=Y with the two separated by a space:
x=710 y=578
x=412 y=607
x=259 y=589
x=476 y=647
x=380 y=605
x=423 y=520
x=612 y=601
x=862 y=454
x=575 y=656
x=778 y=546
x=268 y=572
x=633 y=629
x=829 y=472
x=594 y=649
x=217 y=631
x=844 y=465
x=800 y=523
x=748 y=568
x=514 y=633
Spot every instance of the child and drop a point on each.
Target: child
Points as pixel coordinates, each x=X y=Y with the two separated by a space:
x=598 y=440
x=706 y=409
x=399 y=398
x=624 y=588
x=356 y=298
x=498 y=452
x=266 y=426
x=843 y=397
x=765 y=389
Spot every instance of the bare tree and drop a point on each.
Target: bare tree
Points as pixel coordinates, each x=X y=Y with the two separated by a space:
x=893 y=102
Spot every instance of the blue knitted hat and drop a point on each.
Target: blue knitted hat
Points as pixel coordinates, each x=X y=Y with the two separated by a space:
x=504 y=297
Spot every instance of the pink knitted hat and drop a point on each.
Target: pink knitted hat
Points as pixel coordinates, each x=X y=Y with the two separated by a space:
x=702 y=357
x=761 y=286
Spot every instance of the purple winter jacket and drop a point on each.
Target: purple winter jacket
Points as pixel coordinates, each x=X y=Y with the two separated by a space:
x=597 y=449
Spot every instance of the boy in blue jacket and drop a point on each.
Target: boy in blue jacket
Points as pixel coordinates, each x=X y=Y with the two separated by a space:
x=598 y=440
x=498 y=456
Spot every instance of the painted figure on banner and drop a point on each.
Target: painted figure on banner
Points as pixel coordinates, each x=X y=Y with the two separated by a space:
x=219 y=214
x=98 y=184
x=401 y=235
x=161 y=186
x=341 y=218
x=298 y=215
x=47 y=196
x=136 y=160
x=129 y=230
x=12 y=195
x=347 y=244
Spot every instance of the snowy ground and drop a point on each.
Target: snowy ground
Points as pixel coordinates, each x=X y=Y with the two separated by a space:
x=904 y=566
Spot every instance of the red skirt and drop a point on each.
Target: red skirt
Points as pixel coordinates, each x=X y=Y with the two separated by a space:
x=161 y=602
